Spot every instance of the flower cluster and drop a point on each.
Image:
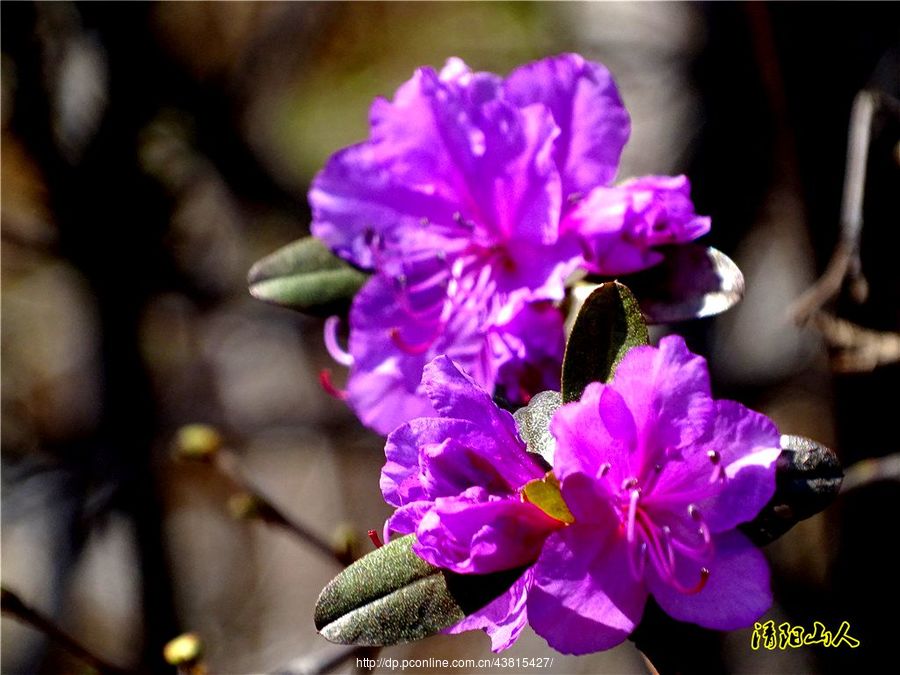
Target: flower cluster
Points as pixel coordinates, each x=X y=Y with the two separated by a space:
x=473 y=201
x=653 y=475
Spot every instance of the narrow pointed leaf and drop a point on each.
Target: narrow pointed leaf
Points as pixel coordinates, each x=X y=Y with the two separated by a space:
x=607 y=326
x=808 y=477
x=533 y=424
x=391 y=596
x=306 y=276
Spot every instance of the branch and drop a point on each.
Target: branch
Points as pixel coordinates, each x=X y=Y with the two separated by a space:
x=13 y=606
x=202 y=443
x=858 y=349
x=845 y=262
x=868 y=471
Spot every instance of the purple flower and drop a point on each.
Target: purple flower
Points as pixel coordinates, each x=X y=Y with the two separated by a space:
x=658 y=475
x=456 y=481
x=474 y=197
x=655 y=474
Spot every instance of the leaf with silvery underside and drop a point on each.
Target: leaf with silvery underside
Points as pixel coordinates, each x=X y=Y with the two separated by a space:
x=692 y=282
x=608 y=324
x=808 y=477
x=305 y=275
x=391 y=595
x=533 y=424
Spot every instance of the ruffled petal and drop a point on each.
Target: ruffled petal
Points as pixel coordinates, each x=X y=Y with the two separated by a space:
x=365 y=214
x=619 y=226
x=736 y=594
x=475 y=459
x=391 y=341
x=503 y=619
x=585 y=104
x=584 y=598
x=453 y=393
x=667 y=391
x=401 y=477
x=406 y=519
x=478 y=533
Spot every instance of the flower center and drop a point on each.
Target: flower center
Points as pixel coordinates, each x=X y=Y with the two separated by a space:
x=667 y=531
x=451 y=303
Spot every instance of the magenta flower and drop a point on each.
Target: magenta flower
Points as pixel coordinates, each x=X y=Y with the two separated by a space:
x=474 y=197
x=456 y=481
x=656 y=476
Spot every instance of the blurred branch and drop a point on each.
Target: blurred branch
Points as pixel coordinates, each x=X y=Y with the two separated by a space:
x=858 y=349
x=199 y=442
x=868 y=471
x=13 y=606
x=261 y=507
x=845 y=261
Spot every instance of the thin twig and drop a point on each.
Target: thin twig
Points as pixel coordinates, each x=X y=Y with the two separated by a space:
x=868 y=471
x=845 y=262
x=228 y=464
x=857 y=349
x=13 y=606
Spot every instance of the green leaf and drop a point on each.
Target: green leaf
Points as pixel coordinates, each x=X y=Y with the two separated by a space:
x=607 y=326
x=691 y=282
x=391 y=596
x=533 y=424
x=306 y=276
x=808 y=477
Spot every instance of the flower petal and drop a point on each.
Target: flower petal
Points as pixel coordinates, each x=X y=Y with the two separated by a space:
x=406 y=519
x=362 y=210
x=584 y=598
x=748 y=444
x=586 y=106
x=385 y=337
x=401 y=480
x=620 y=225
x=468 y=457
x=453 y=393
x=736 y=594
x=503 y=619
x=478 y=533
x=583 y=443
x=667 y=391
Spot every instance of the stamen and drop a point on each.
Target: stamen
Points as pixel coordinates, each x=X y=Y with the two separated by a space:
x=331 y=342
x=666 y=536
x=696 y=588
x=328 y=385
x=629 y=483
x=632 y=511
x=604 y=469
x=412 y=350
x=637 y=560
x=714 y=456
x=703 y=530
x=373 y=535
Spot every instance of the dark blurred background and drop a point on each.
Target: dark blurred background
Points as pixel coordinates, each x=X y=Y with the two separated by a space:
x=151 y=152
